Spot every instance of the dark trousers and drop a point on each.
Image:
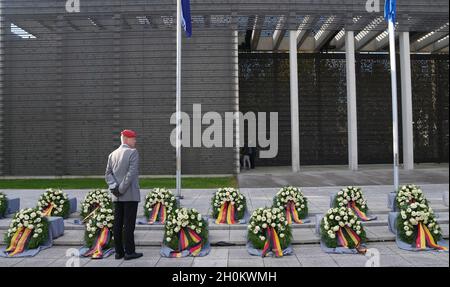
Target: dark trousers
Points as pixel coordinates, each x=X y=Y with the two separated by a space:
x=124 y=224
x=252 y=160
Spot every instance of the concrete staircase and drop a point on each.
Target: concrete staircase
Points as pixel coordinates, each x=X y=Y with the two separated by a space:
x=235 y=235
x=318 y=201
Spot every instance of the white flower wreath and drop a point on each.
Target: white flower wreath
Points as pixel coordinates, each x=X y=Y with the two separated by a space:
x=337 y=219
x=292 y=195
x=54 y=202
x=162 y=196
x=30 y=218
x=231 y=196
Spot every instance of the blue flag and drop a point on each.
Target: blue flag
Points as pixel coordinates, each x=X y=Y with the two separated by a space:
x=186 y=17
x=390 y=10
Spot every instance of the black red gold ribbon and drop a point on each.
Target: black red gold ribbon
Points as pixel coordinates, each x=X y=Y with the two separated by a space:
x=158 y=211
x=342 y=240
x=96 y=252
x=183 y=243
x=425 y=239
x=227 y=214
x=358 y=212
x=272 y=243
x=292 y=214
x=19 y=241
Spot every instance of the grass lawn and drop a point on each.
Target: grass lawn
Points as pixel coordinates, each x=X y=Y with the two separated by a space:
x=92 y=183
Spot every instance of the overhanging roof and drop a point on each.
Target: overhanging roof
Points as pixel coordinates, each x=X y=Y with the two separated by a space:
x=320 y=23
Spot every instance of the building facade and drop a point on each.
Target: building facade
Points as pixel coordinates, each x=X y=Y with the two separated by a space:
x=70 y=81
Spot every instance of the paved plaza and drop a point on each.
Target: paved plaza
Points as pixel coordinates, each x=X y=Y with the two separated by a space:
x=305 y=256
x=228 y=242
x=336 y=175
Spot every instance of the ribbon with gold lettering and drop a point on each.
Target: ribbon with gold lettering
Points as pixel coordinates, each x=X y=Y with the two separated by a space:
x=48 y=210
x=91 y=214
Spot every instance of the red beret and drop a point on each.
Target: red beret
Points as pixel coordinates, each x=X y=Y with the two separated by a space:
x=128 y=133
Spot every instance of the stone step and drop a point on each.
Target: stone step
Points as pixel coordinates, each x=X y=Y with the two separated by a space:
x=382 y=220
x=437 y=207
x=230 y=237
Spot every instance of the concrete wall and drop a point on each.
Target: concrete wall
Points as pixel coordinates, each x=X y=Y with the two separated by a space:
x=67 y=96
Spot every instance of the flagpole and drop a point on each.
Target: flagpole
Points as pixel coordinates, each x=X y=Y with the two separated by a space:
x=391 y=30
x=178 y=103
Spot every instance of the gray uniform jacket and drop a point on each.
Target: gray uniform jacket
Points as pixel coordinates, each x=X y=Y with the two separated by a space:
x=123 y=171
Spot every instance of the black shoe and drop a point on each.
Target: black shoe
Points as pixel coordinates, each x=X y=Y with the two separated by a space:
x=133 y=256
x=119 y=256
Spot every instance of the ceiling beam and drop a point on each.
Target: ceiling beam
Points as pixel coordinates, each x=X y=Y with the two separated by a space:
x=96 y=23
x=72 y=25
x=369 y=32
x=437 y=46
x=30 y=27
x=48 y=27
x=326 y=33
x=339 y=44
x=379 y=43
x=304 y=30
x=369 y=37
x=325 y=39
x=279 y=33
x=256 y=34
x=429 y=38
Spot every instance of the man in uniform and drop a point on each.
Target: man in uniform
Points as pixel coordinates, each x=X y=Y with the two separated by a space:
x=122 y=177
